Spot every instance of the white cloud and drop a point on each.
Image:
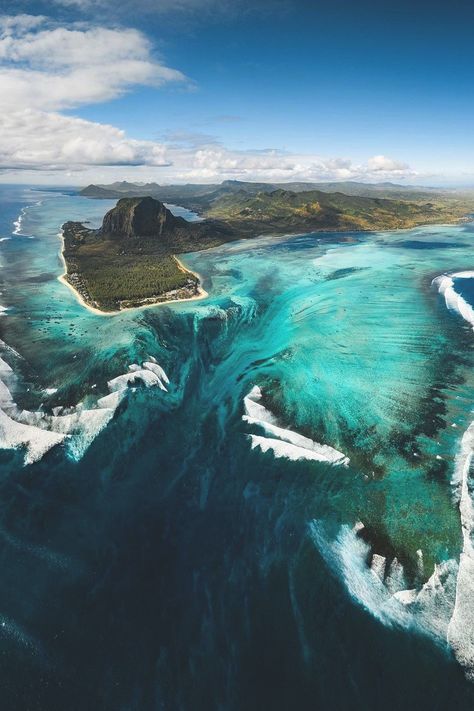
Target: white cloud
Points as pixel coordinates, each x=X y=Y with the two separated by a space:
x=50 y=141
x=54 y=68
x=214 y=162
x=14 y=24
x=387 y=165
x=45 y=68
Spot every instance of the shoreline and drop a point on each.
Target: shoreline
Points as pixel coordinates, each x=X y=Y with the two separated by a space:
x=63 y=280
x=202 y=292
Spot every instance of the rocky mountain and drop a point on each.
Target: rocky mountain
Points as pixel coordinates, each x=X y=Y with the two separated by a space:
x=131 y=260
x=140 y=217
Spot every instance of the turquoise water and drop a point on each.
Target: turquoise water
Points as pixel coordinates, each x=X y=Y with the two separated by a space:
x=157 y=557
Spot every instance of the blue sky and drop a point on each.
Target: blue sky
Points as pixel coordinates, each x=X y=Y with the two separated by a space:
x=270 y=90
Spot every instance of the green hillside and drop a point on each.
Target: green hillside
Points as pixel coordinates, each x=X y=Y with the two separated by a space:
x=315 y=209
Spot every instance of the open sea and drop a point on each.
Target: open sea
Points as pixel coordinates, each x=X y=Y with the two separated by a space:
x=260 y=500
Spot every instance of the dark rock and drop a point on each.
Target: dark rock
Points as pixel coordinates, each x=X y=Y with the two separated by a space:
x=140 y=217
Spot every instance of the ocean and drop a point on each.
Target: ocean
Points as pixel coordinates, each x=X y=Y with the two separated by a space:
x=259 y=500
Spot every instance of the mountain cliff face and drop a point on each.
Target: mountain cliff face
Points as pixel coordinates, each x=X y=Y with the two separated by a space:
x=140 y=217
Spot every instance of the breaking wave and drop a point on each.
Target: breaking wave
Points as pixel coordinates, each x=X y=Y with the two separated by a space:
x=76 y=427
x=18 y=223
x=461 y=627
x=443 y=607
x=454 y=301
x=284 y=442
x=379 y=585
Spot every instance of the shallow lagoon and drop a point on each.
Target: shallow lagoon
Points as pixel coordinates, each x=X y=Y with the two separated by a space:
x=172 y=563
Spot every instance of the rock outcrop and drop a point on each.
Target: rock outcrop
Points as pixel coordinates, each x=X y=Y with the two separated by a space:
x=140 y=217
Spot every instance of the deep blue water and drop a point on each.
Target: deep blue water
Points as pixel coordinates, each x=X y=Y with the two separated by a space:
x=165 y=564
x=465 y=287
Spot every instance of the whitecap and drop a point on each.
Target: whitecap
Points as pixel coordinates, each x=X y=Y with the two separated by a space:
x=145 y=376
x=157 y=369
x=18 y=223
x=347 y=557
x=454 y=301
x=76 y=428
x=285 y=442
x=112 y=400
x=35 y=440
x=395 y=577
x=427 y=609
x=254 y=409
x=461 y=627
x=287 y=450
x=378 y=565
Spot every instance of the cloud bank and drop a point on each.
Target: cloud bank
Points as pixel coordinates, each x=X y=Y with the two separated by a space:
x=214 y=162
x=46 y=69
x=39 y=140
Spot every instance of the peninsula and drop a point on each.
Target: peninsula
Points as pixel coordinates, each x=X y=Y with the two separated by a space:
x=132 y=259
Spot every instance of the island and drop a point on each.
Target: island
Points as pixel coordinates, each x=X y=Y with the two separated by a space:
x=133 y=259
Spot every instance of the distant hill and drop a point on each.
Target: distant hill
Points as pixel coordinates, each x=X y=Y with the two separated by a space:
x=313 y=210
x=200 y=196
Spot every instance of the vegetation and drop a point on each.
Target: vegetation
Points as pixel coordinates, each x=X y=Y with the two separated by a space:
x=117 y=267
x=316 y=210
x=110 y=275
x=131 y=260
x=201 y=197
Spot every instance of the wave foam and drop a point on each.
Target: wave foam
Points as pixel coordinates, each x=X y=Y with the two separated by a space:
x=37 y=432
x=444 y=606
x=347 y=558
x=427 y=609
x=284 y=442
x=150 y=374
x=18 y=223
x=461 y=627
x=289 y=451
x=36 y=441
x=460 y=633
x=454 y=301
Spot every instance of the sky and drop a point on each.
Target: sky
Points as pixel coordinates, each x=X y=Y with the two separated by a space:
x=209 y=90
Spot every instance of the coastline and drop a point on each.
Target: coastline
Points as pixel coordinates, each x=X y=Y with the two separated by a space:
x=202 y=292
x=62 y=278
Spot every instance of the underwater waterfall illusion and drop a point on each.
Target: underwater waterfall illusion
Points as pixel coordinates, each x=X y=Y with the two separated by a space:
x=263 y=497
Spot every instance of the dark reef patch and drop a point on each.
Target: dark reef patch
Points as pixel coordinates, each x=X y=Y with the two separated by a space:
x=419 y=244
